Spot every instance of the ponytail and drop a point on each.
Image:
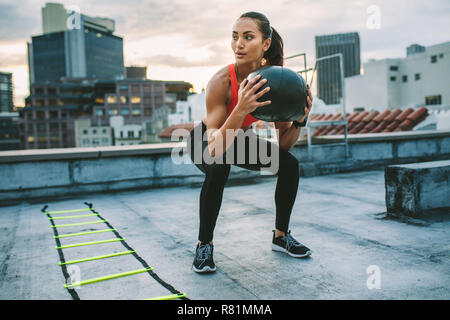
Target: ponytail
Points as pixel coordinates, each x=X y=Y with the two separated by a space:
x=274 y=55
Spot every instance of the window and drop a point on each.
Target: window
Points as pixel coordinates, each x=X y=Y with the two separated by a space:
x=123 y=87
x=417 y=76
x=39 y=90
x=94 y=131
x=124 y=111
x=111 y=99
x=147 y=112
x=147 y=88
x=135 y=88
x=113 y=112
x=123 y=99
x=441 y=55
x=135 y=100
x=433 y=59
x=40 y=115
x=99 y=112
x=104 y=131
x=85 y=131
x=393 y=68
x=433 y=100
x=405 y=78
x=121 y=134
x=136 y=111
x=147 y=100
x=393 y=78
x=131 y=133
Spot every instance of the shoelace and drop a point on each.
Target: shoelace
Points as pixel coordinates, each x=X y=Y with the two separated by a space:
x=290 y=241
x=204 y=251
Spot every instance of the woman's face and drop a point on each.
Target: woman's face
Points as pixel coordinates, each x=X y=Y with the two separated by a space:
x=247 y=41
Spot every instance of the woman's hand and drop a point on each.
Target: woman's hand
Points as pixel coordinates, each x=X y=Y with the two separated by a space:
x=308 y=103
x=247 y=97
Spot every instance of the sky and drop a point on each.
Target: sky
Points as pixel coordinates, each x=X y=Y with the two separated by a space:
x=190 y=40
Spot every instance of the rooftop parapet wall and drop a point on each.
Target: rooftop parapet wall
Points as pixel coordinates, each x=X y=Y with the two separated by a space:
x=28 y=175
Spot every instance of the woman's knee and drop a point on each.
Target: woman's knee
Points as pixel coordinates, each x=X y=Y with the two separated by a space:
x=289 y=162
x=218 y=170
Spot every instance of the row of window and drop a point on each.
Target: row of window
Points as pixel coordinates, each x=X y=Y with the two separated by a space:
x=130 y=134
x=433 y=100
x=94 y=131
x=124 y=112
x=94 y=141
x=405 y=77
x=433 y=59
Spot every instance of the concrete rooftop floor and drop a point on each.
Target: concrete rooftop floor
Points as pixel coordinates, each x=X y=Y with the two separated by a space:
x=341 y=217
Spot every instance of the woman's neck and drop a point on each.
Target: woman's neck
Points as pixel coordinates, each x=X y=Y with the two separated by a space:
x=243 y=70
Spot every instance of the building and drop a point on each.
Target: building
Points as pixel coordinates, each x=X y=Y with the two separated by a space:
x=125 y=134
x=414 y=48
x=135 y=72
x=189 y=111
x=88 y=136
x=49 y=118
x=56 y=18
x=419 y=79
x=6 y=92
x=86 y=49
x=329 y=86
x=9 y=131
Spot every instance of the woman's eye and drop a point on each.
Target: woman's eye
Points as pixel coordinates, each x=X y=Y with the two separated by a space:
x=249 y=37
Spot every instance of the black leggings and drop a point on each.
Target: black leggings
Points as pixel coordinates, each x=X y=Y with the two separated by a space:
x=216 y=175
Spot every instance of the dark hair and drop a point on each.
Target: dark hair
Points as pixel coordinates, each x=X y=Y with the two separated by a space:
x=274 y=55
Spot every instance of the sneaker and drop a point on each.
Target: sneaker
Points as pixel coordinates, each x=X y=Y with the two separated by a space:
x=290 y=246
x=203 y=261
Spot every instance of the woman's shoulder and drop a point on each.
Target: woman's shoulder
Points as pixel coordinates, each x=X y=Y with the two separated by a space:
x=220 y=84
x=221 y=77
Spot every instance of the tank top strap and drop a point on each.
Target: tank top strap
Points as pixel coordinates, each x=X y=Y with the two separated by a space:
x=234 y=87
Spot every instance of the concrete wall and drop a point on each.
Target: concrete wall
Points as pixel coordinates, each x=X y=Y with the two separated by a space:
x=31 y=174
x=413 y=189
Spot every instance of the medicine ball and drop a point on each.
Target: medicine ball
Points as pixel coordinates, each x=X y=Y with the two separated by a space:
x=287 y=92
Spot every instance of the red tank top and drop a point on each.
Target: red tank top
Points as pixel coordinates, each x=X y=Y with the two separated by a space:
x=249 y=119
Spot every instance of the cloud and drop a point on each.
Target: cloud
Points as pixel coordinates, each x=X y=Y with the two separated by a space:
x=219 y=55
x=12 y=60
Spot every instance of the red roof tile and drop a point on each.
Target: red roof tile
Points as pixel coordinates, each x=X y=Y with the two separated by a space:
x=402 y=116
x=393 y=115
x=167 y=133
x=372 y=122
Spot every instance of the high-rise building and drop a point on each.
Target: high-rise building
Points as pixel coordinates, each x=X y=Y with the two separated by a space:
x=328 y=70
x=74 y=45
x=6 y=92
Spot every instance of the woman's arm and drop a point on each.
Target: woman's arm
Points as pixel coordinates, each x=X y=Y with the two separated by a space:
x=287 y=133
x=221 y=130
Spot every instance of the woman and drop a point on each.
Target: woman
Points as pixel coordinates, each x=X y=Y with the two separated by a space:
x=230 y=97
